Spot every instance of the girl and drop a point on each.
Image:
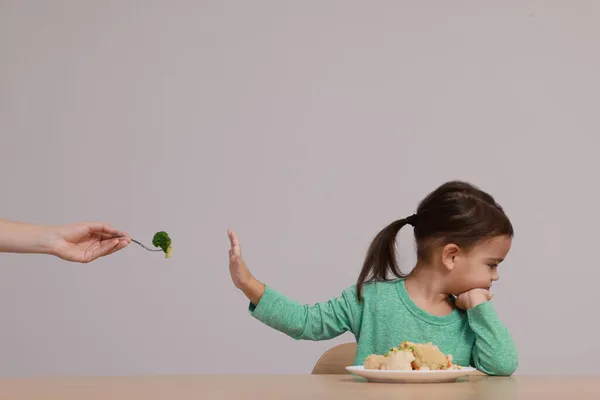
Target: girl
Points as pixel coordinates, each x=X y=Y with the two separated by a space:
x=462 y=235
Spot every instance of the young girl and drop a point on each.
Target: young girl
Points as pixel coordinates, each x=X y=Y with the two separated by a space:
x=462 y=236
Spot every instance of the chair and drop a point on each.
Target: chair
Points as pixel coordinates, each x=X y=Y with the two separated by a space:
x=335 y=360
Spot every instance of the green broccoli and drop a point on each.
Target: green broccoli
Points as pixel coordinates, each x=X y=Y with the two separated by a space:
x=162 y=240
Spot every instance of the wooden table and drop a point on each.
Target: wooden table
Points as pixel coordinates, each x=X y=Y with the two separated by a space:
x=305 y=387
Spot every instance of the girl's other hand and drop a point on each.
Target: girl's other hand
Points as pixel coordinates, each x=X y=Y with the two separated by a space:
x=473 y=298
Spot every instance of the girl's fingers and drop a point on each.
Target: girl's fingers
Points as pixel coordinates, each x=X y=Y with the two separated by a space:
x=233 y=239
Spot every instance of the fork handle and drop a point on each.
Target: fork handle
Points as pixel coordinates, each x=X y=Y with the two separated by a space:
x=147 y=248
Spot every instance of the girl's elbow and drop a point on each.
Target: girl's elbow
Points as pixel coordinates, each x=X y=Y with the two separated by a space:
x=502 y=368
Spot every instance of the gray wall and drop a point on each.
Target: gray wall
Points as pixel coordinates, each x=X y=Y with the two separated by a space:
x=307 y=126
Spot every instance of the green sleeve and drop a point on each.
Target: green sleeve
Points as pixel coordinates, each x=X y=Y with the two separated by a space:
x=321 y=321
x=494 y=352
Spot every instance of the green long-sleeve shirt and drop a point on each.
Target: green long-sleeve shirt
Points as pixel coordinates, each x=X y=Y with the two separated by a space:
x=388 y=316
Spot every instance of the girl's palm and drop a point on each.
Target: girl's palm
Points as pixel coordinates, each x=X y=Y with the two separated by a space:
x=237 y=267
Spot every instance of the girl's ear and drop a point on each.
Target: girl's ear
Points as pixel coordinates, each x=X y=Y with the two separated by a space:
x=449 y=254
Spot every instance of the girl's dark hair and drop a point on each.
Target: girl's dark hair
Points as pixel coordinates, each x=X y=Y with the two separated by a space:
x=456 y=212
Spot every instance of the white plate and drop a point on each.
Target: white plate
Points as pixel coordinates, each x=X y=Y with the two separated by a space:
x=374 y=375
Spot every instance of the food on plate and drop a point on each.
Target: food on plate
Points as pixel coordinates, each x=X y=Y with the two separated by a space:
x=411 y=356
x=399 y=360
x=161 y=239
x=374 y=361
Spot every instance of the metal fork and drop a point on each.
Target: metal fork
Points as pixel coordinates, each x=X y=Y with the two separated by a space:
x=147 y=248
x=139 y=243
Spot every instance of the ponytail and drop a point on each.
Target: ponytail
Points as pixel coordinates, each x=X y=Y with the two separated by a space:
x=381 y=256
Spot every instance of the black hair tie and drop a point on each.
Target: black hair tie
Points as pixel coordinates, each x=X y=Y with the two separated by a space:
x=412 y=220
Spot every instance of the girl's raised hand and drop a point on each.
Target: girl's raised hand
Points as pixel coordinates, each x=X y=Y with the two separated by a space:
x=240 y=275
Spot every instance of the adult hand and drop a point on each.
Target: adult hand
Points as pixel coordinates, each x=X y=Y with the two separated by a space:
x=83 y=242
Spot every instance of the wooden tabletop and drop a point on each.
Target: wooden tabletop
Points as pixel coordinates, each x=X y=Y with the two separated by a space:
x=305 y=387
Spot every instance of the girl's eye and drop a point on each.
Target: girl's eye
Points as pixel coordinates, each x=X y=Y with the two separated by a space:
x=493 y=265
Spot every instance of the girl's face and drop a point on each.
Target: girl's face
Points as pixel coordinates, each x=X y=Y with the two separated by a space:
x=478 y=267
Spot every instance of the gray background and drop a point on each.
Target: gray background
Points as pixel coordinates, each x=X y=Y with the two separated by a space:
x=307 y=126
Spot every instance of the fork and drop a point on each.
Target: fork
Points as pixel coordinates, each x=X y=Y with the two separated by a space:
x=147 y=248
x=138 y=243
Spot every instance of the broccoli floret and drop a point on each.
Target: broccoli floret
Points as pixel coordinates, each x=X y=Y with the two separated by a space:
x=162 y=240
